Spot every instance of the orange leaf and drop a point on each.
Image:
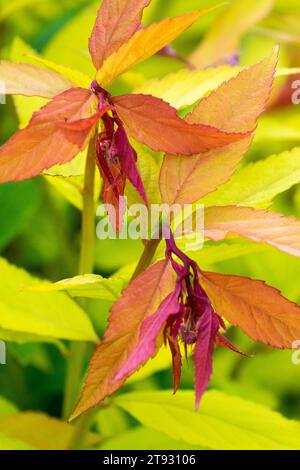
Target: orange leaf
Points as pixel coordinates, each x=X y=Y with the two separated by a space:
x=234 y=107
x=156 y=124
x=44 y=142
x=258 y=225
x=116 y=22
x=258 y=309
x=28 y=80
x=143 y=44
x=137 y=302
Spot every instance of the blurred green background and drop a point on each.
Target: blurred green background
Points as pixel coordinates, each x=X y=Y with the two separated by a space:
x=40 y=219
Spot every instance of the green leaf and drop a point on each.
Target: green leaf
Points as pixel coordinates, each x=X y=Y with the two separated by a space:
x=41 y=431
x=258 y=183
x=142 y=438
x=46 y=315
x=75 y=76
x=149 y=168
x=223 y=422
x=9 y=443
x=89 y=285
x=71 y=42
x=6 y=407
x=185 y=87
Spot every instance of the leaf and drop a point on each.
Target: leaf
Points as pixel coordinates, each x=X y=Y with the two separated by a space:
x=9 y=443
x=149 y=167
x=242 y=99
x=259 y=225
x=115 y=24
x=143 y=44
x=223 y=422
x=258 y=309
x=224 y=37
x=75 y=77
x=28 y=80
x=138 y=301
x=44 y=143
x=156 y=124
x=143 y=438
x=6 y=407
x=185 y=87
x=42 y=314
x=89 y=285
x=41 y=431
x=258 y=183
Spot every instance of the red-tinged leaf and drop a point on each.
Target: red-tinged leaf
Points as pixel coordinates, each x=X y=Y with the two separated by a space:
x=150 y=333
x=28 y=80
x=44 y=143
x=137 y=303
x=234 y=107
x=258 y=225
x=258 y=309
x=156 y=124
x=176 y=362
x=143 y=44
x=203 y=353
x=116 y=22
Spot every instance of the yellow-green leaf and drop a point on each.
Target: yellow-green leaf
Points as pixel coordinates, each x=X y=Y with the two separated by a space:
x=223 y=421
x=89 y=285
x=258 y=183
x=37 y=313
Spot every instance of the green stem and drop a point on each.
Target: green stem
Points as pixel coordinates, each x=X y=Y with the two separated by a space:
x=86 y=266
x=146 y=258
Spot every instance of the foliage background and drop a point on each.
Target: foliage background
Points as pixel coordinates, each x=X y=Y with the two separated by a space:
x=40 y=229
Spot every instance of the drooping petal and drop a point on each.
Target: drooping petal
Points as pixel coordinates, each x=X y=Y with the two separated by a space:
x=155 y=123
x=116 y=22
x=28 y=80
x=43 y=143
x=150 y=335
x=207 y=330
x=127 y=157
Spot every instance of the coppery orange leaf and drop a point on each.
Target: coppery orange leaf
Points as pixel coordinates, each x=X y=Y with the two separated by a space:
x=116 y=22
x=258 y=225
x=156 y=124
x=234 y=107
x=143 y=44
x=44 y=142
x=137 y=303
x=258 y=309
